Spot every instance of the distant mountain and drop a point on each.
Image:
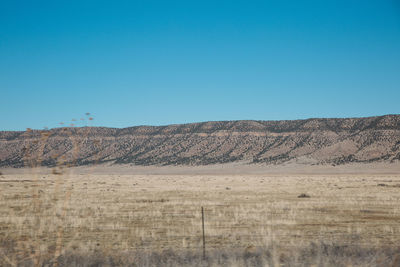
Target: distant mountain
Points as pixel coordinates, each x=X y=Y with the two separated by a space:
x=311 y=141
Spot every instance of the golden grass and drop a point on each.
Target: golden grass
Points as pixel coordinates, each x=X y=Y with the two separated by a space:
x=47 y=215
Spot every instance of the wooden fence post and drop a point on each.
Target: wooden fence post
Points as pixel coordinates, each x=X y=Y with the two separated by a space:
x=204 y=238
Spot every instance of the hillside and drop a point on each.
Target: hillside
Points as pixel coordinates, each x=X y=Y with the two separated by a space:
x=311 y=141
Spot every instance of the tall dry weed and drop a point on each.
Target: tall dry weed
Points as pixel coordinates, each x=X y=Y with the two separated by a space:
x=44 y=216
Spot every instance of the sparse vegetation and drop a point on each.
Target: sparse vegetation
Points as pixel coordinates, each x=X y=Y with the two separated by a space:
x=155 y=219
x=303 y=196
x=315 y=254
x=65 y=216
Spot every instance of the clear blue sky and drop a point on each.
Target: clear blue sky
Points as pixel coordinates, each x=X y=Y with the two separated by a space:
x=162 y=62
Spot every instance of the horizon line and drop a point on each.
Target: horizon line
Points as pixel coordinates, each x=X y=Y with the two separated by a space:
x=198 y=122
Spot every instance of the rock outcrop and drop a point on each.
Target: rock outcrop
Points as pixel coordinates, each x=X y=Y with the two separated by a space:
x=311 y=141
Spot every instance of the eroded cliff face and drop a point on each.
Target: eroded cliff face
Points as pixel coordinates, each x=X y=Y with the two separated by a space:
x=312 y=141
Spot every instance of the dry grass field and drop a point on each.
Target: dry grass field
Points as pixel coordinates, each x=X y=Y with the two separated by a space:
x=83 y=219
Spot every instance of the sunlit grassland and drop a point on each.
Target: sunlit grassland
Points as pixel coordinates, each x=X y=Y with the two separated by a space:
x=43 y=216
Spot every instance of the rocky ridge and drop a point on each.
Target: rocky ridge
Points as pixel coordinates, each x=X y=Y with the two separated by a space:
x=310 y=141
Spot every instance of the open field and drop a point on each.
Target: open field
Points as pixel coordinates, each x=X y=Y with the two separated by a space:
x=44 y=215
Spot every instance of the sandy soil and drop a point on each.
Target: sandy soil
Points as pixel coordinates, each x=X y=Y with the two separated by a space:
x=230 y=168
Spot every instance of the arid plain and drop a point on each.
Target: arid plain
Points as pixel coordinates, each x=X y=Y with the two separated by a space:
x=315 y=192
x=294 y=216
